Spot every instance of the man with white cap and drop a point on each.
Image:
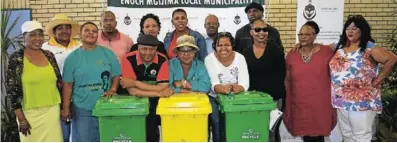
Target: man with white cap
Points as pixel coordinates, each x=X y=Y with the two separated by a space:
x=61 y=31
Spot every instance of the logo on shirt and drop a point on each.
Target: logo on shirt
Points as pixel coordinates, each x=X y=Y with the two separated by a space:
x=105 y=80
x=310 y=11
x=58 y=53
x=234 y=71
x=153 y=72
x=237 y=19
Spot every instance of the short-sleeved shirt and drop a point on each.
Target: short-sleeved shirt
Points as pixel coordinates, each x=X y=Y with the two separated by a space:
x=134 y=68
x=156 y=72
x=120 y=45
x=91 y=73
x=60 y=51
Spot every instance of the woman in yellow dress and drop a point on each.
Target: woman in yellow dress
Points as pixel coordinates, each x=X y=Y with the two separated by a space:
x=33 y=83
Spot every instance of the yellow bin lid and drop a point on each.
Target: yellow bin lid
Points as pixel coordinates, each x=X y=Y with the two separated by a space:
x=184 y=103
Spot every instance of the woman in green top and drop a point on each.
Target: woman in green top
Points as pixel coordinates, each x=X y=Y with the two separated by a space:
x=33 y=84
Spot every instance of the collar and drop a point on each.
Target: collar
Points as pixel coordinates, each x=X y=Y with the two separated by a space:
x=72 y=43
x=139 y=59
x=206 y=37
x=117 y=37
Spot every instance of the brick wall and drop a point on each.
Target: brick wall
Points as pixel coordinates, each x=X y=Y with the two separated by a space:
x=282 y=14
x=379 y=13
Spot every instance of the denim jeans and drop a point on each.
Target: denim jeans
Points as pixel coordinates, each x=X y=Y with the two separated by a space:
x=85 y=125
x=66 y=130
x=214 y=120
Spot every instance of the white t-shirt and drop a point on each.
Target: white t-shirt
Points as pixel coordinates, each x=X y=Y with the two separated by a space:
x=60 y=53
x=237 y=72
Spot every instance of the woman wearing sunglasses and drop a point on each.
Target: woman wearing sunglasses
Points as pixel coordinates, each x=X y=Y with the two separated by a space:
x=265 y=60
x=266 y=64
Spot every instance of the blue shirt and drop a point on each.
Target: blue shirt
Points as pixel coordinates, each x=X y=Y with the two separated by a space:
x=209 y=42
x=197 y=76
x=91 y=73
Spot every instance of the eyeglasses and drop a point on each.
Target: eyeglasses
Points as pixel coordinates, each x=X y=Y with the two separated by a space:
x=186 y=52
x=258 y=29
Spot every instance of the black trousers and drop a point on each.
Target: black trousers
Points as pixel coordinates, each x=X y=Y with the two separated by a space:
x=313 y=138
x=152 y=122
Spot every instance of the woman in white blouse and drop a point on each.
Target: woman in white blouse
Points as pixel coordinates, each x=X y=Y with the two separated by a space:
x=227 y=68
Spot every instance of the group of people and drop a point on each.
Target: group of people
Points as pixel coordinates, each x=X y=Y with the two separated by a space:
x=54 y=86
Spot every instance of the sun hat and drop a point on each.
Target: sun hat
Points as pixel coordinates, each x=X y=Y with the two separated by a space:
x=59 y=19
x=186 y=40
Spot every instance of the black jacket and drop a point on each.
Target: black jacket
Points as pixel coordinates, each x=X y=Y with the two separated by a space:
x=243 y=39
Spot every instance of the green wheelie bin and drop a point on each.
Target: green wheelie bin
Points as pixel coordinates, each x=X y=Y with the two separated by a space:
x=245 y=116
x=122 y=118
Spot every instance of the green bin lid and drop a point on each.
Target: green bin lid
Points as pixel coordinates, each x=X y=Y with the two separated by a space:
x=246 y=101
x=121 y=106
x=245 y=98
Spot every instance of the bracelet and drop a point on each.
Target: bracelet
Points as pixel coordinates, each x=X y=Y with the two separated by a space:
x=23 y=122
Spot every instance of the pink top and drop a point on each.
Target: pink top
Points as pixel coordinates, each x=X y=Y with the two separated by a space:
x=120 y=45
x=308 y=103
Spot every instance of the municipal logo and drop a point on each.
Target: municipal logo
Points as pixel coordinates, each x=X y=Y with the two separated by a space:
x=310 y=11
x=237 y=19
x=127 y=20
x=250 y=134
x=122 y=138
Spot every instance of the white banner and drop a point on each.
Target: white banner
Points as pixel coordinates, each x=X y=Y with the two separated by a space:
x=328 y=14
x=231 y=15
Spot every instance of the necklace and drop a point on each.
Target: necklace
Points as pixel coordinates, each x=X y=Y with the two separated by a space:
x=306 y=58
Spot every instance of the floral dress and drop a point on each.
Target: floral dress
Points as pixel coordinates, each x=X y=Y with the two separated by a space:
x=351 y=80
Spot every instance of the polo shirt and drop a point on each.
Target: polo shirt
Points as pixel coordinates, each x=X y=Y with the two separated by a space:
x=133 y=67
x=120 y=44
x=60 y=51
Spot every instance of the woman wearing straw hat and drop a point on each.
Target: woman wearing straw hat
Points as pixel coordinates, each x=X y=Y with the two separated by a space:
x=188 y=74
x=33 y=84
x=61 y=30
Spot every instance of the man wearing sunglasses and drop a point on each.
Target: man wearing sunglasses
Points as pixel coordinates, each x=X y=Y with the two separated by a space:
x=243 y=37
